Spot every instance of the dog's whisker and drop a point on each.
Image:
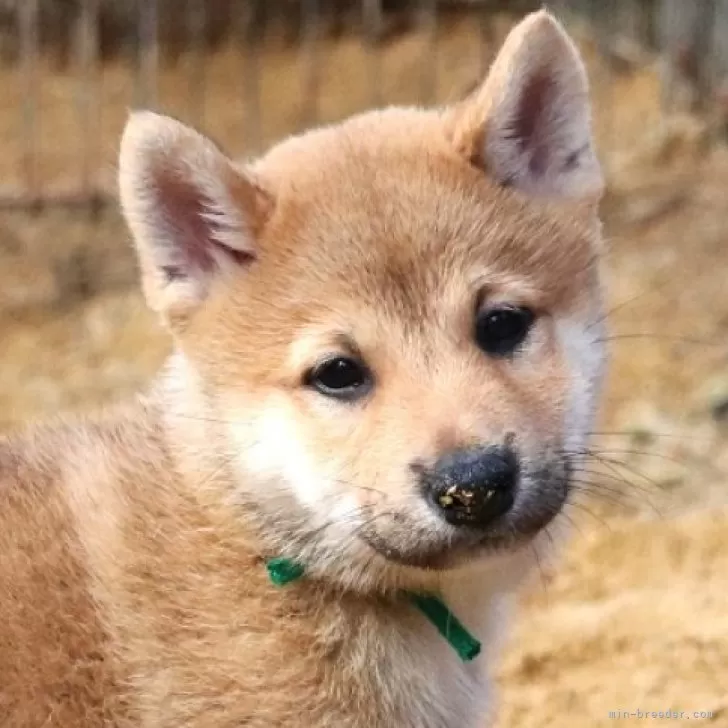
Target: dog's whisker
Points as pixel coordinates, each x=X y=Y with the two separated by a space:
x=582 y=507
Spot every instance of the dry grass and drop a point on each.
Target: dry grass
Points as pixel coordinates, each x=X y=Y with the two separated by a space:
x=635 y=614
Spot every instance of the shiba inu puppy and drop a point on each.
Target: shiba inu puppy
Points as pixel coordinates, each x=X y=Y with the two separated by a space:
x=387 y=344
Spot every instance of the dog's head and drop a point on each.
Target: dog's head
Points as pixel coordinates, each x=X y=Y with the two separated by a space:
x=395 y=320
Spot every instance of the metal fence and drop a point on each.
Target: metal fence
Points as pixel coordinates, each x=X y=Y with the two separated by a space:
x=70 y=68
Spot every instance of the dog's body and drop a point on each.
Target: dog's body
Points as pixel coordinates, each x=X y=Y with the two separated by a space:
x=133 y=549
x=191 y=622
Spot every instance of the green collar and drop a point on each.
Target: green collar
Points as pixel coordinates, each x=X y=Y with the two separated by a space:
x=283 y=571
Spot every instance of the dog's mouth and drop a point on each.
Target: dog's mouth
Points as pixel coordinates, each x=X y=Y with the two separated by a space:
x=418 y=546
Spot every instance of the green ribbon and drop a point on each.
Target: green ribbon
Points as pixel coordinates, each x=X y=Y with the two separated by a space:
x=283 y=571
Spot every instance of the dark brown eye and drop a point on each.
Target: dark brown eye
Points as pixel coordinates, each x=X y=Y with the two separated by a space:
x=341 y=378
x=499 y=331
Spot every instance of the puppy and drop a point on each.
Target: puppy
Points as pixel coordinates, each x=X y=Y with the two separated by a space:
x=388 y=348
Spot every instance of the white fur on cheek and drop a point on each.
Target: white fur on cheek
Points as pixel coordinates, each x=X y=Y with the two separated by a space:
x=585 y=357
x=273 y=447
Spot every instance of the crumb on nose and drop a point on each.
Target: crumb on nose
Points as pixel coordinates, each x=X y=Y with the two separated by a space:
x=457 y=495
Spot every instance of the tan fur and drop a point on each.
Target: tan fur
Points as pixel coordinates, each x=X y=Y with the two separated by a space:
x=133 y=548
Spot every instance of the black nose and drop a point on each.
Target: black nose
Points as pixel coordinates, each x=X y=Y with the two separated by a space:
x=472 y=487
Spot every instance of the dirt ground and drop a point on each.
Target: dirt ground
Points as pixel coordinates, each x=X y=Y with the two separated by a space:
x=634 y=614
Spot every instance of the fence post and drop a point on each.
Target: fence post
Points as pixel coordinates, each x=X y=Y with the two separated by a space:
x=28 y=31
x=311 y=82
x=372 y=22
x=252 y=16
x=195 y=63
x=88 y=101
x=428 y=18
x=148 y=53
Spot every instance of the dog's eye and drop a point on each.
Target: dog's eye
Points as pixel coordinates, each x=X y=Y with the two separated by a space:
x=500 y=331
x=340 y=377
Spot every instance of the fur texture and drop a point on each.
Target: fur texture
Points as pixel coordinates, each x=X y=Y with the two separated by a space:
x=132 y=548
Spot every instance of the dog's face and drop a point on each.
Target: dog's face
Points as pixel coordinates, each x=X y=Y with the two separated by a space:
x=395 y=321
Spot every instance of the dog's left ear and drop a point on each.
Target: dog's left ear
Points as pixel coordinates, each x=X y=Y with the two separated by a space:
x=528 y=126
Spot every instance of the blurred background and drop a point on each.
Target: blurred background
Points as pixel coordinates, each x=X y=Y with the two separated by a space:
x=636 y=614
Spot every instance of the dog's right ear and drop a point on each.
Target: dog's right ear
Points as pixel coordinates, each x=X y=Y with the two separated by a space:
x=194 y=215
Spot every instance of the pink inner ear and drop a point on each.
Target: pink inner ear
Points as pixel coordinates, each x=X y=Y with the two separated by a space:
x=531 y=118
x=192 y=246
x=188 y=248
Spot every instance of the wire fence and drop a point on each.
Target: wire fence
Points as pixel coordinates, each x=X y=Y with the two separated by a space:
x=251 y=70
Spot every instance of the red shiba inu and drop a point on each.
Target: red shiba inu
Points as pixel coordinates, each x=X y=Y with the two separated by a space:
x=388 y=345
